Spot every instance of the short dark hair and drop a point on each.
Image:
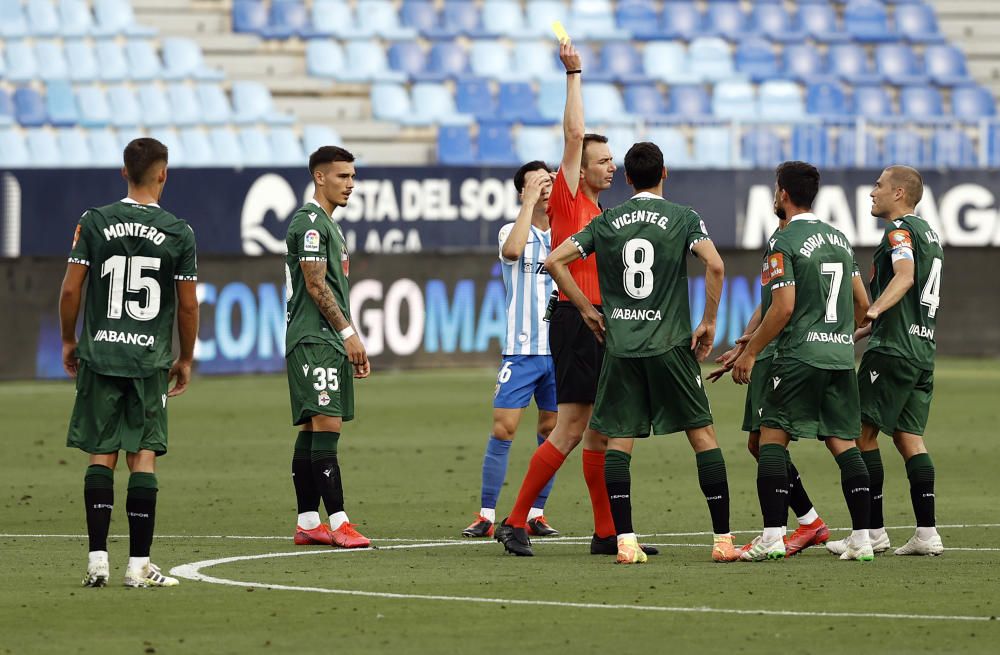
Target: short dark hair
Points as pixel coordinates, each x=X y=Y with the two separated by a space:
x=909 y=180
x=537 y=165
x=587 y=140
x=327 y=155
x=644 y=165
x=139 y=157
x=800 y=180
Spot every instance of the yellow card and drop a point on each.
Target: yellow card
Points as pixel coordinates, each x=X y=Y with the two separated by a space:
x=560 y=31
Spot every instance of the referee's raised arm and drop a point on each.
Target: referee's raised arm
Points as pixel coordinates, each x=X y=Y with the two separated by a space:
x=573 y=125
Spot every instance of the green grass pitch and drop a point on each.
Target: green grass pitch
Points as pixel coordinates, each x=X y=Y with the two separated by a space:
x=412 y=464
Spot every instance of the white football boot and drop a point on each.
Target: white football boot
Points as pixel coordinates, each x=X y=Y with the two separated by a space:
x=880 y=544
x=858 y=549
x=98 y=570
x=149 y=576
x=761 y=550
x=917 y=546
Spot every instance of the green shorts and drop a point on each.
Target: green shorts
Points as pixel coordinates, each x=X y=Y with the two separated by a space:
x=664 y=392
x=115 y=413
x=811 y=403
x=895 y=394
x=320 y=382
x=755 y=394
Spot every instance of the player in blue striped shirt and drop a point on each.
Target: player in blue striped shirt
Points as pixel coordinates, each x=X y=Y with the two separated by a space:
x=526 y=369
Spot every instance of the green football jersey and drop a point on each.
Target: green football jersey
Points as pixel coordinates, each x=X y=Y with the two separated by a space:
x=314 y=237
x=907 y=328
x=819 y=261
x=765 y=304
x=641 y=248
x=135 y=253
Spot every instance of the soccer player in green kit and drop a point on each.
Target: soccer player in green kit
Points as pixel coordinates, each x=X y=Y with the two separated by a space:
x=896 y=376
x=650 y=380
x=323 y=352
x=145 y=272
x=812 y=390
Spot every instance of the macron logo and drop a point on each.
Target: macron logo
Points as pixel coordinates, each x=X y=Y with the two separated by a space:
x=328 y=472
x=163 y=399
x=698 y=380
x=305 y=370
x=777 y=381
x=873 y=375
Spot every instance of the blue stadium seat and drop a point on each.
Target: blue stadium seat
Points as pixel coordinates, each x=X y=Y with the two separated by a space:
x=899 y=64
x=473 y=97
x=867 y=21
x=325 y=58
x=183 y=58
x=726 y=19
x=455 y=146
x=668 y=61
x=29 y=108
x=390 y=102
x=811 y=143
x=461 y=17
x=448 y=59
x=674 y=144
x=154 y=108
x=952 y=148
x=709 y=59
x=316 y=136
x=95 y=111
x=639 y=18
x=252 y=102
x=226 y=147
x=75 y=18
x=255 y=146
x=543 y=143
x=946 y=65
x=434 y=103
x=143 y=63
x=539 y=15
x=551 y=99
x=169 y=137
x=104 y=150
x=850 y=62
x=84 y=68
x=127 y=112
x=408 y=57
x=826 y=99
x=333 y=18
x=846 y=154
x=286 y=149
x=763 y=148
x=13 y=24
x=993 y=145
x=43 y=147
x=505 y=17
x=420 y=15
x=21 y=65
x=713 y=147
x=13 y=149
x=905 y=146
x=380 y=17
x=620 y=139
x=819 y=20
x=645 y=100
x=42 y=18
x=756 y=59
x=516 y=103
x=734 y=99
x=250 y=16
x=682 y=20
x=781 y=99
x=604 y=104
x=491 y=59
x=917 y=23
x=920 y=102
x=690 y=101
x=972 y=102
x=366 y=61
x=872 y=101
x=287 y=18
x=621 y=60
x=805 y=63
x=771 y=20
x=184 y=106
x=534 y=60
x=197 y=147
x=51 y=62
x=116 y=17
x=111 y=61
x=496 y=144
x=6 y=109
x=72 y=148
x=591 y=62
x=60 y=103
x=3 y=63
x=594 y=20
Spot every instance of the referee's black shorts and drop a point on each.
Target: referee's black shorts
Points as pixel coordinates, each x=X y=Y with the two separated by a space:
x=576 y=353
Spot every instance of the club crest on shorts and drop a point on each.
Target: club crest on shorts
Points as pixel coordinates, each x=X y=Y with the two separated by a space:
x=324 y=398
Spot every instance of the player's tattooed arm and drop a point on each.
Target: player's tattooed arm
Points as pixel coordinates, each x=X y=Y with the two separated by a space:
x=321 y=293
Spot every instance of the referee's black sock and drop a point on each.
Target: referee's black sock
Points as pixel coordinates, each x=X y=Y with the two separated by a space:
x=920 y=471
x=873 y=462
x=772 y=485
x=715 y=486
x=326 y=470
x=856 y=483
x=306 y=493
x=98 y=500
x=140 y=506
x=618 y=480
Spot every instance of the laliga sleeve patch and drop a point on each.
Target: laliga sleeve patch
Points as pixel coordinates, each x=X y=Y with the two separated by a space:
x=774 y=267
x=310 y=242
x=76 y=236
x=900 y=239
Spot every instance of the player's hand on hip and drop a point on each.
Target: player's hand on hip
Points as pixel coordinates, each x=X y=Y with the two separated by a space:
x=595 y=321
x=357 y=355
x=70 y=362
x=569 y=56
x=702 y=340
x=871 y=315
x=180 y=375
x=742 y=367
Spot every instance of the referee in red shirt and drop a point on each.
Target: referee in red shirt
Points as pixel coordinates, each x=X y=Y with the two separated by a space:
x=586 y=169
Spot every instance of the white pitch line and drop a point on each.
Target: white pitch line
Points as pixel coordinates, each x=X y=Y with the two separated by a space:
x=192 y=571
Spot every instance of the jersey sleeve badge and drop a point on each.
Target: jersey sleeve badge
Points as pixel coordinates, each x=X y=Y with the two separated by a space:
x=900 y=239
x=76 y=235
x=774 y=267
x=310 y=242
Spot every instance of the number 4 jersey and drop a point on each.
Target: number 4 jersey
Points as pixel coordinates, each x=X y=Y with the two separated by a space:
x=641 y=248
x=907 y=328
x=135 y=253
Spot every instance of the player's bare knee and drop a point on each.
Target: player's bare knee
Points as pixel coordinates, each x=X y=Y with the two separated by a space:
x=702 y=439
x=143 y=461
x=909 y=444
x=327 y=423
x=753 y=444
x=546 y=423
x=504 y=430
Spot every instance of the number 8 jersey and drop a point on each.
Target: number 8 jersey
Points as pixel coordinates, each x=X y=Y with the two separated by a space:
x=135 y=254
x=641 y=248
x=907 y=328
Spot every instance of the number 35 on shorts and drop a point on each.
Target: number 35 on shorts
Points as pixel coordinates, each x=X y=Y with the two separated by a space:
x=326 y=378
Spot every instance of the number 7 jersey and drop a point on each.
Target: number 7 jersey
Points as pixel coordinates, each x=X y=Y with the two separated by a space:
x=135 y=253
x=907 y=328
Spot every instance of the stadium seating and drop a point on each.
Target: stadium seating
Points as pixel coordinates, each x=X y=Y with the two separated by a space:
x=762 y=148
x=474 y=97
x=455 y=145
x=682 y=20
x=542 y=143
x=495 y=144
x=951 y=147
x=972 y=103
x=60 y=104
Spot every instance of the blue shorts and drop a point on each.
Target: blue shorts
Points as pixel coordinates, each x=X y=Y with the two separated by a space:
x=522 y=376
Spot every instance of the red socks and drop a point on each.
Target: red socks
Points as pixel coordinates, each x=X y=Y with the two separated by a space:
x=593 y=473
x=544 y=464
